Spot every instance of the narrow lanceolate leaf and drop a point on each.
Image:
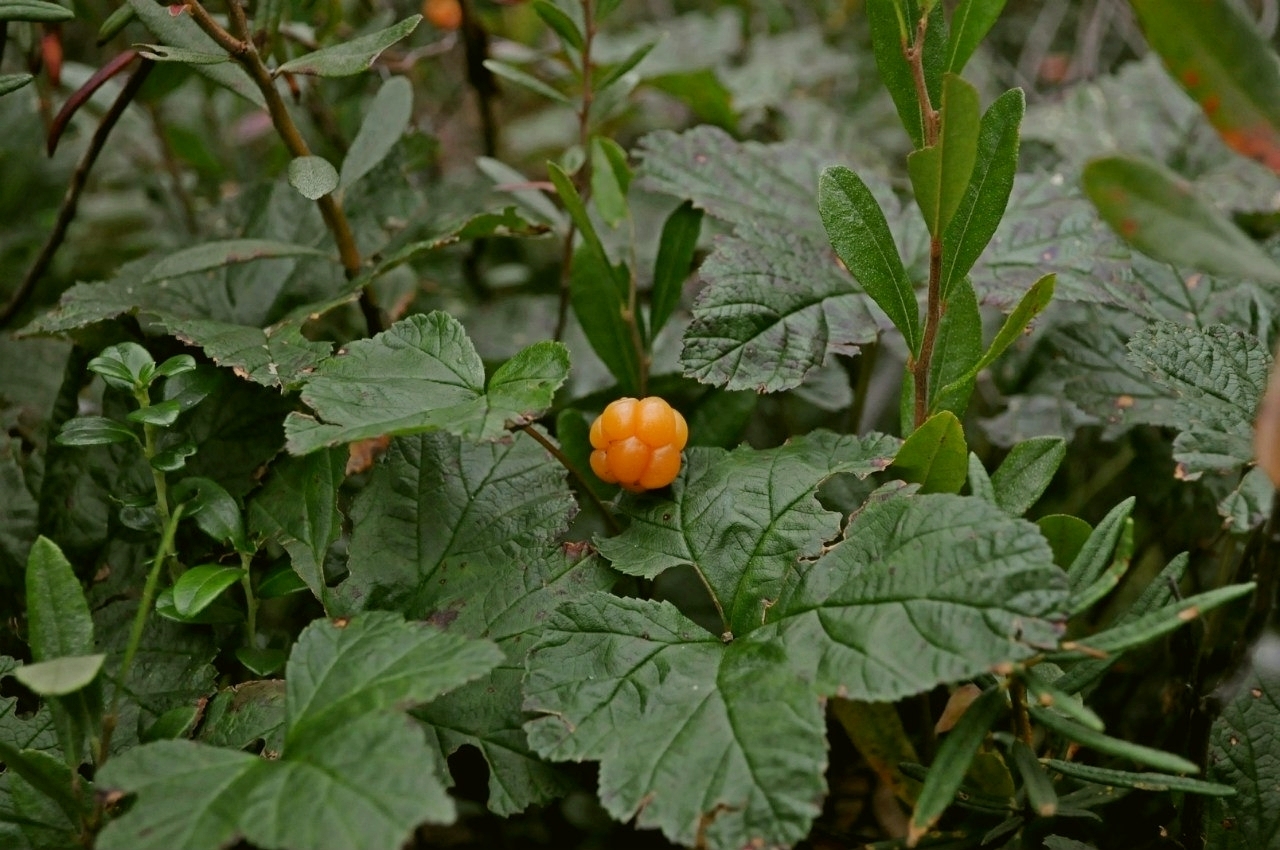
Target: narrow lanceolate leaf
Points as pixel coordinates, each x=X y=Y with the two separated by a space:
x=1157 y=212
x=860 y=235
x=387 y=119
x=525 y=79
x=940 y=173
x=1095 y=555
x=212 y=255
x=671 y=269
x=164 y=53
x=198 y=587
x=1218 y=56
x=1083 y=735
x=935 y=455
x=1217 y=376
x=599 y=295
x=1244 y=754
x=1041 y=795
x=13 y=82
x=58 y=621
x=464 y=535
x=743 y=518
x=1015 y=325
x=349 y=57
x=313 y=176
x=423 y=374
x=366 y=766
x=34 y=10
x=982 y=207
x=970 y=23
x=957 y=351
x=1147 y=782
x=954 y=757
x=298 y=509
x=1027 y=472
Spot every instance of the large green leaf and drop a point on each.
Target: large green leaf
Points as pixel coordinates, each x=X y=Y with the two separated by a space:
x=278 y=356
x=1218 y=56
x=922 y=590
x=298 y=508
x=423 y=374
x=366 y=769
x=464 y=535
x=742 y=519
x=1244 y=753
x=1157 y=212
x=775 y=306
x=31 y=732
x=1217 y=376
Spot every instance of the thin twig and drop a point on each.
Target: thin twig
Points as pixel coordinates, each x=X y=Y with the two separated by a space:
x=71 y=199
x=241 y=48
x=573 y=470
x=582 y=180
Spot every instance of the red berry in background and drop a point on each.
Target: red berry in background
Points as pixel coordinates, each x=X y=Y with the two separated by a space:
x=638 y=443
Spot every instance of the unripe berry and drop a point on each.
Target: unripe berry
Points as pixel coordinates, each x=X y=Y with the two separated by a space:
x=638 y=443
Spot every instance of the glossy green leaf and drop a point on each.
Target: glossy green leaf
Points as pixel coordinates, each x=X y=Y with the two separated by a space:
x=954 y=757
x=180 y=31
x=162 y=414
x=1015 y=325
x=893 y=27
x=214 y=510
x=1216 y=376
x=349 y=57
x=313 y=176
x=279 y=581
x=982 y=208
x=422 y=374
x=1242 y=755
x=934 y=456
x=1066 y=534
x=1141 y=781
x=559 y=21
x=261 y=662
x=298 y=509
x=126 y=366
x=178 y=364
x=860 y=235
x=1220 y=58
x=12 y=82
x=970 y=22
x=1027 y=472
x=366 y=768
x=198 y=587
x=60 y=676
x=940 y=173
x=598 y=295
x=94 y=431
x=610 y=179
x=527 y=80
x=676 y=247
x=164 y=53
x=384 y=123
x=212 y=255
x=39 y=11
x=1156 y=211
x=742 y=518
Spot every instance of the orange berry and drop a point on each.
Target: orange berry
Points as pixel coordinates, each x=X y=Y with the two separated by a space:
x=637 y=443
x=443 y=14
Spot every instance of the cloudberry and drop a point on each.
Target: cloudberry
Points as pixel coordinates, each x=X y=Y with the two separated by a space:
x=637 y=443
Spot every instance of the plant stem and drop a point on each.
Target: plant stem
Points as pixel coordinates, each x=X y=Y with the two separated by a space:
x=573 y=470
x=241 y=48
x=71 y=199
x=148 y=601
x=582 y=179
x=1021 y=720
x=251 y=601
x=930 y=120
